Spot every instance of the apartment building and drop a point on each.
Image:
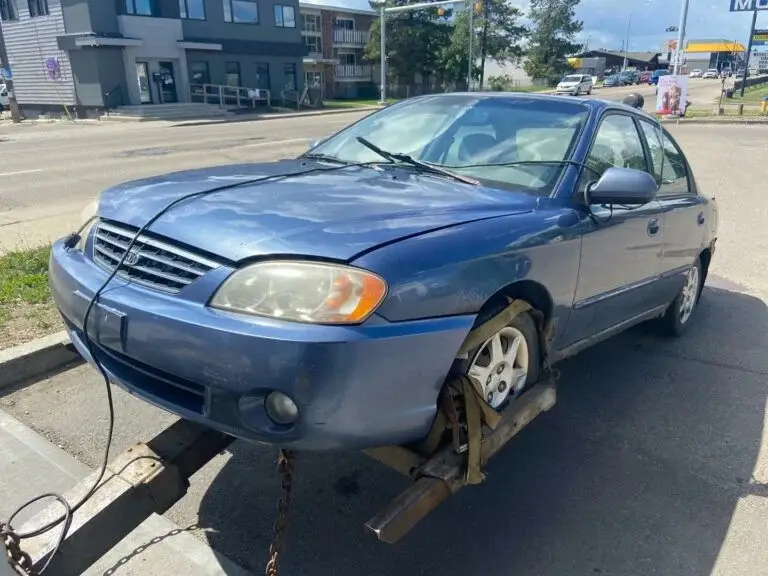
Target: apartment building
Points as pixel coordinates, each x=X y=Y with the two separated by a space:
x=335 y=38
x=89 y=54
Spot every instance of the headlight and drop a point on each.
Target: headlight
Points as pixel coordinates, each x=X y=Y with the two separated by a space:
x=87 y=220
x=313 y=292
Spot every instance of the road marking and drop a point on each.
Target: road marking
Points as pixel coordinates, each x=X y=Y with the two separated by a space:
x=273 y=142
x=20 y=172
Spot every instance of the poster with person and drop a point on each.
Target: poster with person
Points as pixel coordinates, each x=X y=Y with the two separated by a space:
x=671 y=97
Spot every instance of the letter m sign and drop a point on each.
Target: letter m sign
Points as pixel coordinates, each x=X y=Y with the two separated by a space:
x=748 y=5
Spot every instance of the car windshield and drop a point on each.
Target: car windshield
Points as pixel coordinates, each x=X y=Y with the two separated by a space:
x=510 y=143
x=572 y=79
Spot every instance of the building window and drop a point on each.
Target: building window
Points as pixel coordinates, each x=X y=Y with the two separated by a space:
x=138 y=7
x=241 y=11
x=347 y=58
x=232 y=74
x=314 y=44
x=192 y=9
x=289 y=72
x=344 y=23
x=285 y=17
x=310 y=23
x=262 y=76
x=38 y=8
x=199 y=75
x=8 y=10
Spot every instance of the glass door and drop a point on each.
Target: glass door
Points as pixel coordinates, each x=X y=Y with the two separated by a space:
x=167 y=83
x=142 y=77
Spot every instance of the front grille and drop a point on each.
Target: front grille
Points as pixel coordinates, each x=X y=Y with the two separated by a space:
x=150 y=263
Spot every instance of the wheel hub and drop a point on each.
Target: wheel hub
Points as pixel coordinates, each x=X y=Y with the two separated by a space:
x=500 y=367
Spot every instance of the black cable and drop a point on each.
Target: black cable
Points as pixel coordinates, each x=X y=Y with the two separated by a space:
x=70 y=509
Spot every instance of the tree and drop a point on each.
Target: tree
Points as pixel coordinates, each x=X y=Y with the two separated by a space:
x=497 y=35
x=416 y=40
x=552 y=37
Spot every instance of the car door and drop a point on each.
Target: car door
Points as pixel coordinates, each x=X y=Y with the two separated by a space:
x=621 y=245
x=683 y=208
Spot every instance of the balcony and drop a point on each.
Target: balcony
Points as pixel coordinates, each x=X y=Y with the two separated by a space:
x=353 y=72
x=351 y=38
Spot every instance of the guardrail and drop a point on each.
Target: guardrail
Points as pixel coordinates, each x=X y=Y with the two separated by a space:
x=350 y=37
x=353 y=71
x=224 y=95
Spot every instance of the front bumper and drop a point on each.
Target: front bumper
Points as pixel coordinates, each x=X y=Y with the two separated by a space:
x=355 y=386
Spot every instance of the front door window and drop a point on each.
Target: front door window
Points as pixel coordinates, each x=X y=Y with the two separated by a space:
x=142 y=77
x=167 y=83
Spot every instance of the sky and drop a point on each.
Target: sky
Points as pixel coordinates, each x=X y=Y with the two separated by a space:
x=605 y=21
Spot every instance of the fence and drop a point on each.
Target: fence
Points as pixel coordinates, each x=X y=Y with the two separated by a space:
x=236 y=96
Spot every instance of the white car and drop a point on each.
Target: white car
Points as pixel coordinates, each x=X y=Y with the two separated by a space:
x=695 y=73
x=575 y=84
x=4 y=102
x=712 y=73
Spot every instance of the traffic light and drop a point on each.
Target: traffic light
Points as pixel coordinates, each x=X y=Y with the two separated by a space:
x=479 y=7
x=441 y=11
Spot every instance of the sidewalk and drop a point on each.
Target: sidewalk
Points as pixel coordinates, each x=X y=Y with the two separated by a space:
x=30 y=466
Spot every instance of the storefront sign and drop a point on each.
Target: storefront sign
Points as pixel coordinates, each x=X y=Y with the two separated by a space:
x=748 y=5
x=760 y=38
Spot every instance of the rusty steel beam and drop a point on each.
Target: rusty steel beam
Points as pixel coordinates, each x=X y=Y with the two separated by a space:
x=445 y=473
x=146 y=478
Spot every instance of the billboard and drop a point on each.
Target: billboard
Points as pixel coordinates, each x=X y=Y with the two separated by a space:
x=671 y=100
x=748 y=5
x=760 y=38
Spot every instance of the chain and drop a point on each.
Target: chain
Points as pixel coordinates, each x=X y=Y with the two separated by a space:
x=285 y=464
x=19 y=560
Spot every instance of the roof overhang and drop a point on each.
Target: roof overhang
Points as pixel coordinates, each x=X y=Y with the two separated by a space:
x=212 y=46
x=79 y=41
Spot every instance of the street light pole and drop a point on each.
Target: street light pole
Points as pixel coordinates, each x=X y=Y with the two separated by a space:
x=626 y=40
x=469 y=56
x=681 y=37
x=383 y=49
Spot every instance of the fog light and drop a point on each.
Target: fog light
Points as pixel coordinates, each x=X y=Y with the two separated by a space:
x=281 y=409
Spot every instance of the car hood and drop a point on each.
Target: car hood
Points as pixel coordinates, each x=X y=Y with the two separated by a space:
x=334 y=214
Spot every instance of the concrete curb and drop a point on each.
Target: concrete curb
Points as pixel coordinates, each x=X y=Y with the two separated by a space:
x=233 y=118
x=36 y=359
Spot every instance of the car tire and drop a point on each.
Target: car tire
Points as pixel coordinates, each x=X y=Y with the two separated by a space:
x=480 y=362
x=681 y=311
x=589 y=91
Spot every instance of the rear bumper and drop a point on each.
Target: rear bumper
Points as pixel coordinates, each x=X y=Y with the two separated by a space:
x=355 y=387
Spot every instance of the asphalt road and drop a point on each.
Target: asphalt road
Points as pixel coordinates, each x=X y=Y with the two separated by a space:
x=653 y=462
x=49 y=172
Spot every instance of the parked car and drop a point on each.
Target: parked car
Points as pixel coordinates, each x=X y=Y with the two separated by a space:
x=575 y=84
x=654 y=80
x=612 y=81
x=711 y=74
x=696 y=73
x=645 y=76
x=740 y=73
x=630 y=77
x=4 y=100
x=320 y=302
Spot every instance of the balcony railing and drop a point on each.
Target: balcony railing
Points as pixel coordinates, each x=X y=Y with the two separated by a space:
x=354 y=72
x=342 y=36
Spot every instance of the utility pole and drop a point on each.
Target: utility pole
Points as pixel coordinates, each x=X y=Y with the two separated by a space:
x=681 y=37
x=749 y=51
x=469 y=56
x=12 y=103
x=383 y=49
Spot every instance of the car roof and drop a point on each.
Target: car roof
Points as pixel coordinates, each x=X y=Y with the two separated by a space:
x=594 y=104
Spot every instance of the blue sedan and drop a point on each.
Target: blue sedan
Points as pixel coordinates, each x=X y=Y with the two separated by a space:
x=321 y=302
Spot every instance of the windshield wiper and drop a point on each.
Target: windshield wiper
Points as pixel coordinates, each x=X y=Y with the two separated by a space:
x=324 y=157
x=526 y=162
x=395 y=157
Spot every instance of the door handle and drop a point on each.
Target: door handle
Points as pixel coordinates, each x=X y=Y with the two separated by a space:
x=701 y=219
x=653 y=226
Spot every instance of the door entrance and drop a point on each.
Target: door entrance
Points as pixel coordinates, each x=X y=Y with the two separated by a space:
x=167 y=83
x=142 y=77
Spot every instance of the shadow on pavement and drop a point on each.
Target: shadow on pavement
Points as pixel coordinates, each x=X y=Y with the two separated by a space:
x=637 y=470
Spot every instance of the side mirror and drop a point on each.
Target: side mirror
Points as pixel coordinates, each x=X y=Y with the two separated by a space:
x=623 y=186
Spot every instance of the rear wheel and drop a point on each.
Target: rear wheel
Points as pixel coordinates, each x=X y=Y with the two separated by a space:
x=506 y=364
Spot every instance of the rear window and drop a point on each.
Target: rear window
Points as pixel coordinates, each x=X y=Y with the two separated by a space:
x=572 y=79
